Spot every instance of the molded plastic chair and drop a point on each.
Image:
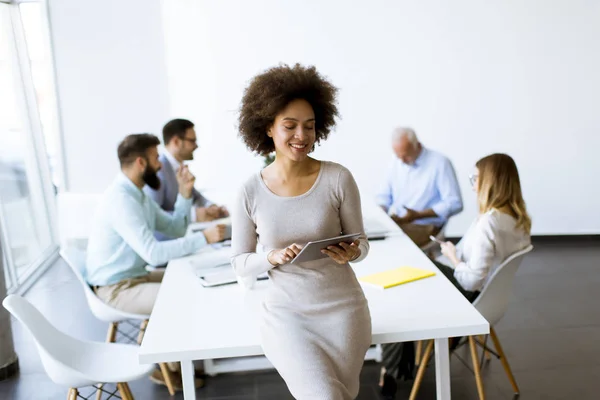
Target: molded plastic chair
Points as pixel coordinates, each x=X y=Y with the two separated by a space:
x=75 y=258
x=492 y=303
x=76 y=363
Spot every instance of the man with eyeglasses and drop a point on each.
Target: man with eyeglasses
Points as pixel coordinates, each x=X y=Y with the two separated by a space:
x=421 y=191
x=180 y=141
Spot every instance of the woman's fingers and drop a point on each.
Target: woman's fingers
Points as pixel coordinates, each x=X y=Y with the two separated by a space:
x=334 y=256
x=295 y=248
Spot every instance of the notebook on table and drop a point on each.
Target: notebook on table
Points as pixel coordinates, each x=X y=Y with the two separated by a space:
x=395 y=277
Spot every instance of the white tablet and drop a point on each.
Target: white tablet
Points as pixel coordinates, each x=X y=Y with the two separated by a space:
x=312 y=250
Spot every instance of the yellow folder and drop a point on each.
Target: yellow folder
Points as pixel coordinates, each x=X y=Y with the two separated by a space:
x=395 y=277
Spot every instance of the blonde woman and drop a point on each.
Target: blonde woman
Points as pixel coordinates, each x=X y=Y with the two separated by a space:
x=502 y=228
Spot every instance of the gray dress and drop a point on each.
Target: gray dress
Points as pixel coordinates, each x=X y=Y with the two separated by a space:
x=316 y=326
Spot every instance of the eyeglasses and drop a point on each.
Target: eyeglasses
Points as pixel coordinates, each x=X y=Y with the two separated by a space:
x=473 y=179
x=194 y=141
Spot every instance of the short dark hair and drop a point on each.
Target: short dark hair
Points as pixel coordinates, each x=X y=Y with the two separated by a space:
x=270 y=92
x=134 y=146
x=176 y=127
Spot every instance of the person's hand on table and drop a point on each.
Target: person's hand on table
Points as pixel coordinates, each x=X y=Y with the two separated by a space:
x=214 y=234
x=223 y=212
x=207 y=214
x=283 y=256
x=343 y=252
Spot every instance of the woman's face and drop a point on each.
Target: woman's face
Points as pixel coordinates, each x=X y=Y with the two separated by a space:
x=474 y=178
x=293 y=130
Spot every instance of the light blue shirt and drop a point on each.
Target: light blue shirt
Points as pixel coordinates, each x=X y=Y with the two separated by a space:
x=122 y=240
x=429 y=183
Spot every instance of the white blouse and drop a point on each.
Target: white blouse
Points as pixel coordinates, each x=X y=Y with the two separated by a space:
x=490 y=240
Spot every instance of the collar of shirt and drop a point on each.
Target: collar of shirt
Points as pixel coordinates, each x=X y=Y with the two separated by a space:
x=421 y=158
x=124 y=181
x=172 y=160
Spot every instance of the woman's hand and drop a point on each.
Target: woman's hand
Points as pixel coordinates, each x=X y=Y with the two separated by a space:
x=284 y=256
x=343 y=252
x=449 y=250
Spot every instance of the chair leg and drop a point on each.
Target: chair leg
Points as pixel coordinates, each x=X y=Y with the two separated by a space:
x=475 y=358
x=124 y=391
x=421 y=371
x=111 y=337
x=126 y=385
x=486 y=354
x=503 y=360
x=72 y=394
x=99 y=391
x=167 y=376
x=418 y=352
x=143 y=327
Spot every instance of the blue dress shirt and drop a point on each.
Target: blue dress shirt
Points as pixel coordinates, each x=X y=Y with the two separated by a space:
x=428 y=183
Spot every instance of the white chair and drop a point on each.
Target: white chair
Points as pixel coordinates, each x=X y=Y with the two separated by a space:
x=76 y=363
x=492 y=303
x=75 y=258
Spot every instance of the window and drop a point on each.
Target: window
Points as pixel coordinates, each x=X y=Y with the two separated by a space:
x=26 y=196
x=40 y=59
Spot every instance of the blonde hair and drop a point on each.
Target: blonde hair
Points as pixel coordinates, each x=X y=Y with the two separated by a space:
x=500 y=187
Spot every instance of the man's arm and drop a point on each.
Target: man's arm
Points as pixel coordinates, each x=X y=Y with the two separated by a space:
x=450 y=198
x=129 y=222
x=174 y=224
x=205 y=210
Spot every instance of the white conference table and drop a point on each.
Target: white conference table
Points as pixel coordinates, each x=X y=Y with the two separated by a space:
x=190 y=322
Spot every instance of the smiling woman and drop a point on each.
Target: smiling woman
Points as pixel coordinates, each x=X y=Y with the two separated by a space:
x=316 y=326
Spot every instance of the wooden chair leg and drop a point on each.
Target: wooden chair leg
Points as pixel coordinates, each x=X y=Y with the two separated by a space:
x=128 y=391
x=99 y=391
x=143 y=327
x=475 y=358
x=421 y=371
x=111 y=337
x=503 y=360
x=167 y=377
x=72 y=394
x=418 y=351
x=486 y=354
x=124 y=391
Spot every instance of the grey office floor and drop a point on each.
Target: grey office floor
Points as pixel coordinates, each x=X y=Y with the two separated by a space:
x=551 y=335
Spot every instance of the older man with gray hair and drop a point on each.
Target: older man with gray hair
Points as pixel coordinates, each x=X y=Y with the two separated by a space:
x=421 y=191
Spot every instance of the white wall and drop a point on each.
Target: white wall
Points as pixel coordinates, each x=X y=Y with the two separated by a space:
x=111 y=79
x=471 y=77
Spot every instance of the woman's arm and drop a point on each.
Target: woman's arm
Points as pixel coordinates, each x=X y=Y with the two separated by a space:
x=475 y=266
x=246 y=262
x=351 y=211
